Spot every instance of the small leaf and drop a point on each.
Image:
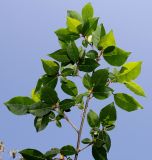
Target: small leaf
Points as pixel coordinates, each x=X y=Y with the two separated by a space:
x=92 y=54
x=126 y=102
x=102 y=92
x=68 y=150
x=60 y=55
x=72 y=24
x=67 y=72
x=73 y=52
x=19 y=105
x=87 y=81
x=58 y=124
x=41 y=123
x=88 y=65
x=87 y=12
x=32 y=154
x=86 y=141
x=35 y=95
x=65 y=35
x=134 y=87
x=108 y=115
x=49 y=96
x=74 y=14
x=100 y=77
x=50 y=67
x=129 y=71
x=52 y=153
x=93 y=119
x=99 y=153
x=66 y=104
x=69 y=87
x=117 y=57
x=107 y=41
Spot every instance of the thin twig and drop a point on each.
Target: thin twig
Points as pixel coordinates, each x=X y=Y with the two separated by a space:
x=81 y=127
x=68 y=120
x=86 y=147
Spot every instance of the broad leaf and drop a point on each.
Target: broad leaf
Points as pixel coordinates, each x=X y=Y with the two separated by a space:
x=49 y=95
x=74 y=14
x=67 y=72
x=50 y=67
x=73 y=52
x=100 y=77
x=41 y=123
x=126 y=102
x=108 y=115
x=88 y=65
x=52 y=153
x=65 y=35
x=99 y=153
x=66 y=104
x=73 y=24
x=87 y=12
x=107 y=41
x=68 y=150
x=60 y=55
x=19 y=105
x=87 y=81
x=134 y=87
x=102 y=92
x=129 y=71
x=117 y=57
x=86 y=141
x=92 y=54
x=32 y=154
x=97 y=34
x=35 y=95
x=69 y=87
x=93 y=119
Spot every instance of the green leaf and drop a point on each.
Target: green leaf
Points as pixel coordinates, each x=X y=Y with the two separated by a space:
x=87 y=81
x=49 y=96
x=87 y=12
x=40 y=109
x=88 y=65
x=90 y=26
x=102 y=92
x=46 y=81
x=86 y=141
x=50 y=67
x=93 y=119
x=58 y=124
x=41 y=123
x=99 y=153
x=74 y=14
x=73 y=52
x=73 y=24
x=60 y=55
x=108 y=115
x=107 y=41
x=97 y=34
x=105 y=138
x=100 y=77
x=69 y=88
x=35 y=95
x=52 y=153
x=65 y=35
x=134 y=87
x=126 y=102
x=117 y=57
x=66 y=104
x=67 y=72
x=19 y=105
x=129 y=71
x=68 y=150
x=92 y=54
x=32 y=154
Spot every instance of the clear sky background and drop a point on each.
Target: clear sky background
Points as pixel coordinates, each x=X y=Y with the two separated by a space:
x=26 y=36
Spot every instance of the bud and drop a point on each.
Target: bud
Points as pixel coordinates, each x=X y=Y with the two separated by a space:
x=89 y=39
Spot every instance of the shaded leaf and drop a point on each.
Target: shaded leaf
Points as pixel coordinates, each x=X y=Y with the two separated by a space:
x=126 y=102
x=86 y=141
x=68 y=150
x=74 y=14
x=92 y=54
x=66 y=104
x=87 y=81
x=99 y=153
x=52 y=153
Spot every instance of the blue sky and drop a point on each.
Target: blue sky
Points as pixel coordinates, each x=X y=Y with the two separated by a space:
x=26 y=36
